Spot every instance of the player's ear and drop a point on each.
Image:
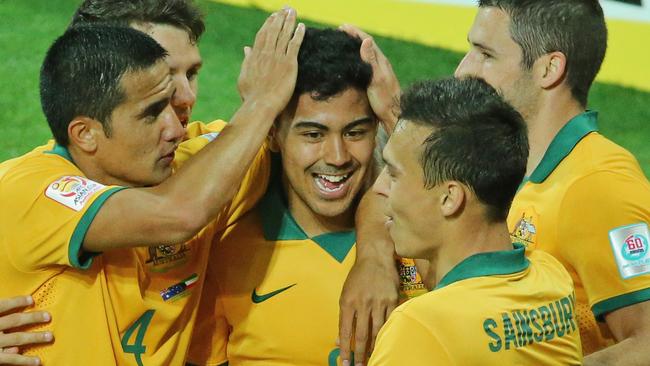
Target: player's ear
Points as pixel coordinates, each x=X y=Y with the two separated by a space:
x=273 y=137
x=452 y=198
x=84 y=132
x=550 y=69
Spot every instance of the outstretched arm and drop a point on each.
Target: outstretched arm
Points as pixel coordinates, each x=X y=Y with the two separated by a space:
x=178 y=208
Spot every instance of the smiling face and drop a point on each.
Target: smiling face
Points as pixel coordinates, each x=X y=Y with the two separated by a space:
x=413 y=214
x=145 y=131
x=496 y=58
x=326 y=149
x=184 y=61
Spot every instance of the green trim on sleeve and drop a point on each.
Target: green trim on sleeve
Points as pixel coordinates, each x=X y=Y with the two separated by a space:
x=618 y=302
x=79 y=259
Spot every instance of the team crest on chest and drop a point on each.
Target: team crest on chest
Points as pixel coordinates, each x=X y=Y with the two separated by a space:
x=165 y=257
x=524 y=230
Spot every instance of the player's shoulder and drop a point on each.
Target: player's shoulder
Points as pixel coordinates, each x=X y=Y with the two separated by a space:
x=549 y=266
x=596 y=153
x=41 y=162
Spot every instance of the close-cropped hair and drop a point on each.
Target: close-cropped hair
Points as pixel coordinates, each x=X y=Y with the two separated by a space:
x=82 y=72
x=329 y=63
x=574 y=27
x=182 y=14
x=477 y=139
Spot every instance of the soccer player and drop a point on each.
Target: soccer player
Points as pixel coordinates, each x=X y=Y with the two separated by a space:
x=460 y=152
x=585 y=199
x=275 y=276
x=177 y=25
x=133 y=306
x=580 y=187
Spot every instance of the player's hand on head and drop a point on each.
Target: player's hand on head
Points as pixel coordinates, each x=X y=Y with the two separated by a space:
x=12 y=317
x=384 y=89
x=370 y=294
x=270 y=67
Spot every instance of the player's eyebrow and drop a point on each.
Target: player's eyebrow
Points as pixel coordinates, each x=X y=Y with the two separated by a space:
x=155 y=108
x=392 y=170
x=310 y=124
x=480 y=45
x=360 y=121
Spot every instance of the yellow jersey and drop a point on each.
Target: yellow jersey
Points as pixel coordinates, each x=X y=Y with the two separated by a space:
x=588 y=204
x=498 y=308
x=272 y=293
x=124 y=307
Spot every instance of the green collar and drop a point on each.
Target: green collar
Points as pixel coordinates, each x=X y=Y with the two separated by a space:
x=61 y=151
x=279 y=224
x=563 y=143
x=487 y=264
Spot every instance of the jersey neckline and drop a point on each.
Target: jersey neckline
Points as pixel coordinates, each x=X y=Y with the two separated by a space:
x=487 y=264
x=563 y=143
x=278 y=224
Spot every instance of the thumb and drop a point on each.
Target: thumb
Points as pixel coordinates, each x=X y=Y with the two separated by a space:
x=368 y=51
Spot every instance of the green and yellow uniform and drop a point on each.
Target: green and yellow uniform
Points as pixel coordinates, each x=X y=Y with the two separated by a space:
x=497 y=308
x=123 y=307
x=272 y=293
x=588 y=204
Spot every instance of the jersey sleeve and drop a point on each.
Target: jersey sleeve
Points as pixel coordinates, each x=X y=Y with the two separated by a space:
x=47 y=210
x=251 y=190
x=210 y=337
x=404 y=340
x=605 y=235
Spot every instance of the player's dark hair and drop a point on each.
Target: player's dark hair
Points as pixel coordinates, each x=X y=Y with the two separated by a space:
x=329 y=63
x=82 y=73
x=574 y=27
x=182 y=14
x=478 y=139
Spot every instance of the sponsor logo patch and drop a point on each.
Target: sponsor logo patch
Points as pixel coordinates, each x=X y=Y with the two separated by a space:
x=258 y=298
x=72 y=191
x=630 y=245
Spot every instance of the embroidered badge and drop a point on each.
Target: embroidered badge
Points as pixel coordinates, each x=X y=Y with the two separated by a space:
x=180 y=289
x=164 y=257
x=630 y=246
x=524 y=230
x=72 y=192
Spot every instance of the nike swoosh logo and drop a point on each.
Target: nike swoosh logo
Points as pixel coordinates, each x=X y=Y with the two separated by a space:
x=261 y=298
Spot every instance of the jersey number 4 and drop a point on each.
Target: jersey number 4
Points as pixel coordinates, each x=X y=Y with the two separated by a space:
x=137 y=348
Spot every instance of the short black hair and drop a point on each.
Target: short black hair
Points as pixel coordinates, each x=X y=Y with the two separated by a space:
x=329 y=62
x=478 y=139
x=82 y=73
x=574 y=27
x=182 y=14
